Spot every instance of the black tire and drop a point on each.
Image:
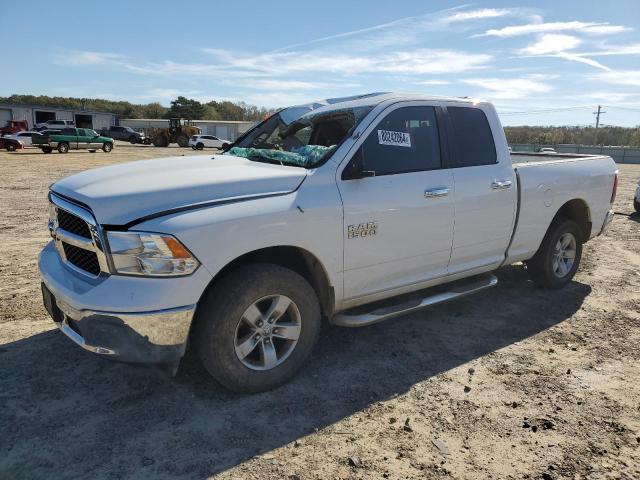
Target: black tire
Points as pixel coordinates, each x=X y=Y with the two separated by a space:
x=199 y=146
x=10 y=147
x=107 y=147
x=159 y=141
x=220 y=311
x=182 y=140
x=47 y=149
x=225 y=146
x=133 y=139
x=63 y=147
x=541 y=266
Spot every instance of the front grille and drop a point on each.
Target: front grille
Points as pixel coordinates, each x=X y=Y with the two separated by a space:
x=83 y=259
x=71 y=223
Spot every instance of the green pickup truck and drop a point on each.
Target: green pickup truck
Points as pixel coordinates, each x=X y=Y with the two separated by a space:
x=73 y=139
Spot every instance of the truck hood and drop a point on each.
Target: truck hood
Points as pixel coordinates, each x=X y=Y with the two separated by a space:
x=121 y=194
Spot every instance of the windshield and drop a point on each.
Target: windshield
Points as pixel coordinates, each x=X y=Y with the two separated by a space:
x=306 y=142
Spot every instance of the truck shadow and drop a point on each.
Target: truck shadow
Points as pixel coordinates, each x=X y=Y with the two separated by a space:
x=89 y=416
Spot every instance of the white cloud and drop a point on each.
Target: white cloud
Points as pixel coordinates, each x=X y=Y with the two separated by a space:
x=619 y=77
x=585 y=27
x=480 y=14
x=633 y=49
x=551 y=43
x=509 y=88
x=432 y=82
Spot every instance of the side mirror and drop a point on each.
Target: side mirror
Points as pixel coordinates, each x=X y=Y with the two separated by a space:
x=355 y=170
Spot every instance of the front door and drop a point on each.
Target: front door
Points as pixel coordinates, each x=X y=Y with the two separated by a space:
x=398 y=224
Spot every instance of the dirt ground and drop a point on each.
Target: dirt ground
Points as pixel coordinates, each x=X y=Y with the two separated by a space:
x=515 y=382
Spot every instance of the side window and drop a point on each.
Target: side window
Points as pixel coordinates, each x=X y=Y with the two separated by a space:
x=406 y=140
x=69 y=131
x=472 y=138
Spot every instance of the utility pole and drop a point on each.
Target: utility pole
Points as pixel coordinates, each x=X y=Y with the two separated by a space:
x=597 y=114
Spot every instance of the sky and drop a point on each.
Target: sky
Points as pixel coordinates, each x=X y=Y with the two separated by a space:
x=541 y=62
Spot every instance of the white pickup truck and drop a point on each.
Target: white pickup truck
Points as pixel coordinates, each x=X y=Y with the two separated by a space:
x=353 y=210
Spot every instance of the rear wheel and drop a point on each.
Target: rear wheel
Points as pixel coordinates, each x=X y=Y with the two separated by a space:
x=160 y=141
x=63 y=147
x=255 y=328
x=107 y=147
x=182 y=140
x=558 y=258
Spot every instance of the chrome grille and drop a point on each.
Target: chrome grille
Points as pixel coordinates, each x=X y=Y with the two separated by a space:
x=73 y=224
x=83 y=259
x=77 y=236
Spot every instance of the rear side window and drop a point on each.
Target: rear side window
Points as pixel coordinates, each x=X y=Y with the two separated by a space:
x=406 y=140
x=472 y=138
x=69 y=131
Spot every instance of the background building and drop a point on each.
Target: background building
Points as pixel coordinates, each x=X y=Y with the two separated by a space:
x=35 y=114
x=223 y=129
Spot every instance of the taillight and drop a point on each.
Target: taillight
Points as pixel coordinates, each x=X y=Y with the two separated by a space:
x=615 y=188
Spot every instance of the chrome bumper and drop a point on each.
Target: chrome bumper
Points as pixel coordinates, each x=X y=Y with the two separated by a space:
x=143 y=337
x=607 y=220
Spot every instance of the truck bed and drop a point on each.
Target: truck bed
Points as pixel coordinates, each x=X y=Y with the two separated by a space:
x=531 y=157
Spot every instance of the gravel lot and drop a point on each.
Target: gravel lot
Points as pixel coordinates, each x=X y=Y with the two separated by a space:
x=515 y=382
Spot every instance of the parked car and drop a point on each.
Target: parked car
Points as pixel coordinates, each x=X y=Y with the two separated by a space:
x=547 y=150
x=10 y=144
x=322 y=213
x=73 y=139
x=55 y=124
x=25 y=137
x=199 y=142
x=124 y=133
x=636 y=198
x=13 y=126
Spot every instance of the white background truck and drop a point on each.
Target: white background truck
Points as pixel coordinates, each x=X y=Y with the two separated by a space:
x=354 y=210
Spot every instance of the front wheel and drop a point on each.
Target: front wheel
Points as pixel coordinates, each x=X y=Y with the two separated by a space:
x=10 y=147
x=557 y=260
x=133 y=139
x=107 y=147
x=199 y=146
x=255 y=329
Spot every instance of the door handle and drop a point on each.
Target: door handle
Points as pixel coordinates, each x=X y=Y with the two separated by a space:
x=436 y=192
x=501 y=184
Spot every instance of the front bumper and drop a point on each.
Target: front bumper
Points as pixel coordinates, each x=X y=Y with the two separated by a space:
x=140 y=320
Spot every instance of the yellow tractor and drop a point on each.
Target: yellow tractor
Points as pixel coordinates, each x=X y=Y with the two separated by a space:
x=178 y=132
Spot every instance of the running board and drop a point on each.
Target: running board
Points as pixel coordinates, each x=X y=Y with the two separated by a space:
x=461 y=288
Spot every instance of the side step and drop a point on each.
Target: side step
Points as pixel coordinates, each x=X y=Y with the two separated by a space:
x=385 y=310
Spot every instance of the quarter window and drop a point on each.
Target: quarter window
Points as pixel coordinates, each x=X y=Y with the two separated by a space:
x=406 y=140
x=473 y=142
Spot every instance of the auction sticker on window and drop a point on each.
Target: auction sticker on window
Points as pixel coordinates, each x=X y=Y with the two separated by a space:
x=397 y=139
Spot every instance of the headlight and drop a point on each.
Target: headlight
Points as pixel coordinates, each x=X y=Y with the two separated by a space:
x=150 y=254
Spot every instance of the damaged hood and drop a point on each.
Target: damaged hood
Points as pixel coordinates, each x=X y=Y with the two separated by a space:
x=120 y=194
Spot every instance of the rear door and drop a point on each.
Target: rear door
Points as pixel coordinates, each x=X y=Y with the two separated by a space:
x=485 y=190
x=84 y=139
x=398 y=224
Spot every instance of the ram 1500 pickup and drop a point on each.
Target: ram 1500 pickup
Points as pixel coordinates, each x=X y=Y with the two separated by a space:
x=355 y=210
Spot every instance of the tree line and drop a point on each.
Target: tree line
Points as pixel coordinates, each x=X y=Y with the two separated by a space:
x=180 y=107
x=183 y=107
x=620 y=136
